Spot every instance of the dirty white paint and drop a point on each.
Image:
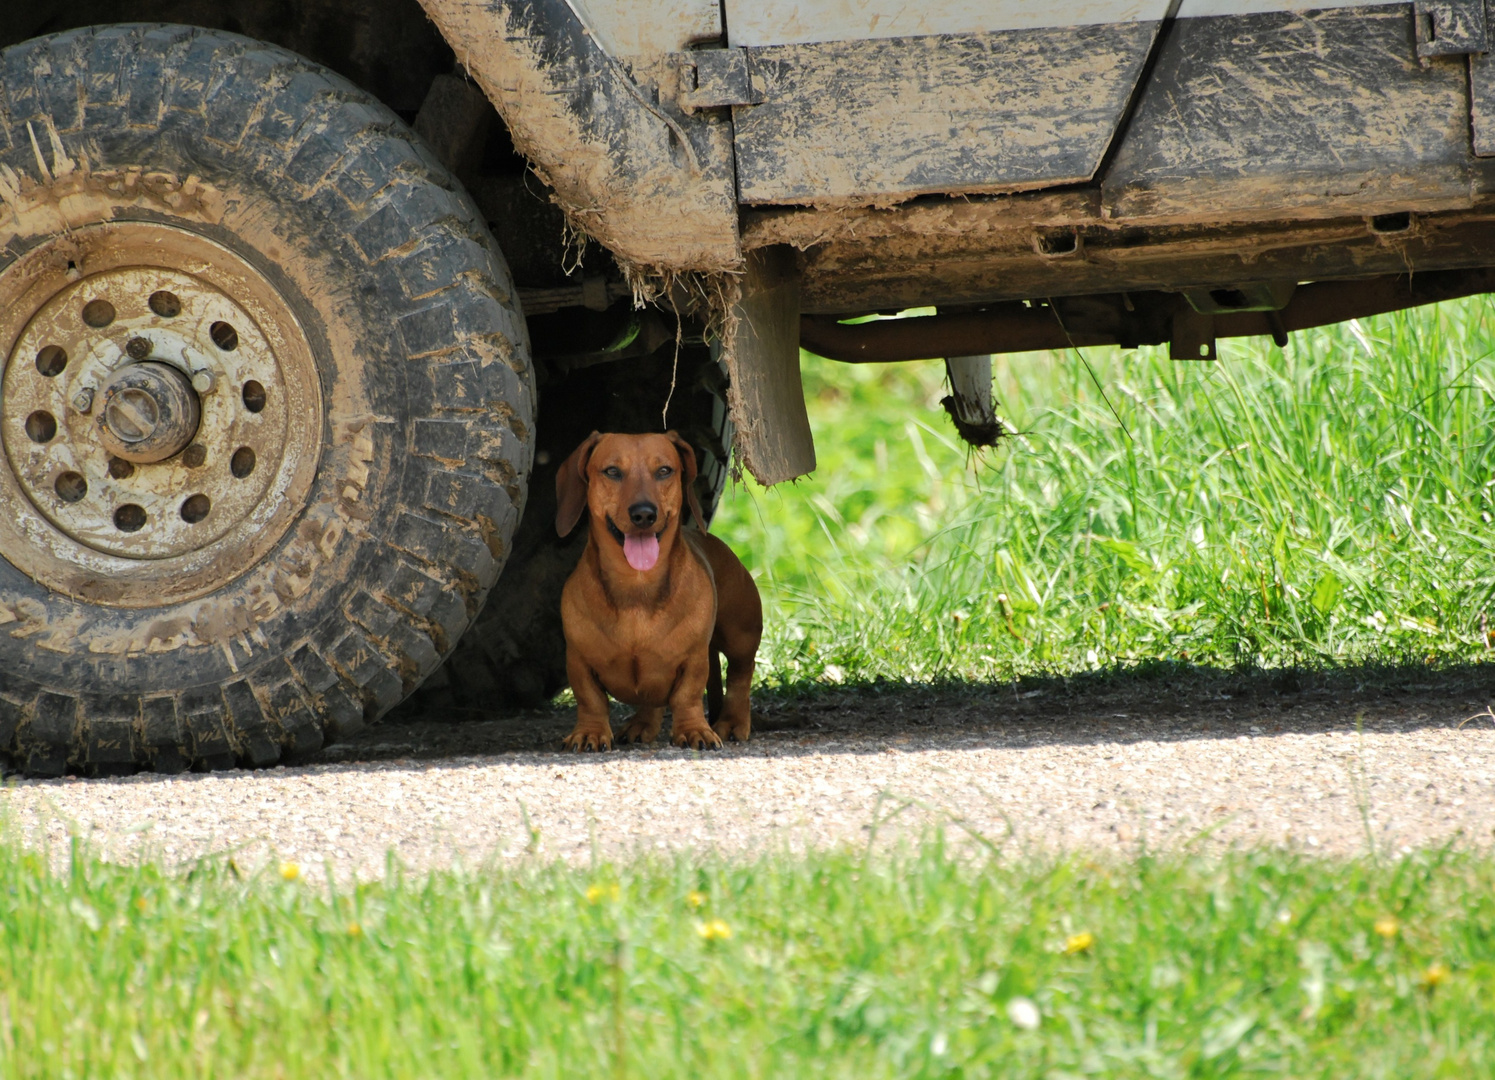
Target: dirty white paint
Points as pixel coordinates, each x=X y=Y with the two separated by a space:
x=787 y=22
x=790 y=22
x=1194 y=9
x=630 y=28
x=863 y=121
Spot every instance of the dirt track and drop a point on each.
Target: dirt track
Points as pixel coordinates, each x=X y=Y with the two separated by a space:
x=1103 y=765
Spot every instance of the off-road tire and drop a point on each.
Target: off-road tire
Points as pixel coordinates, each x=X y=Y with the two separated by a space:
x=421 y=360
x=515 y=653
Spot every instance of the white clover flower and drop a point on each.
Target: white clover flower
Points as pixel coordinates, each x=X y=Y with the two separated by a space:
x=1023 y=1013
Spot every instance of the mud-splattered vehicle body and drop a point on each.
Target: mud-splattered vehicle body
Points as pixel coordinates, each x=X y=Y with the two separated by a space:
x=302 y=301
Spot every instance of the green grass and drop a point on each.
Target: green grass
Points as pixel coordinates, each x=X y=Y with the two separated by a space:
x=1319 y=506
x=836 y=965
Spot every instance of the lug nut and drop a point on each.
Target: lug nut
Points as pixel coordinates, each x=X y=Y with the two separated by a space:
x=138 y=348
x=83 y=399
x=203 y=381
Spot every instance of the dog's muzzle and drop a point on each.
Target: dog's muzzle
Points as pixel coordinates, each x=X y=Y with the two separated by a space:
x=618 y=534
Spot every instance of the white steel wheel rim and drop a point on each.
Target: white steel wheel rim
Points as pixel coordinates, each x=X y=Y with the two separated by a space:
x=85 y=318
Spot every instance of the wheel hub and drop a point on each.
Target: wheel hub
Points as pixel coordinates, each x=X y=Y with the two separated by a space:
x=149 y=412
x=164 y=415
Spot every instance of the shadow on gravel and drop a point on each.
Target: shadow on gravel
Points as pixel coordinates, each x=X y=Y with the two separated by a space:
x=1155 y=702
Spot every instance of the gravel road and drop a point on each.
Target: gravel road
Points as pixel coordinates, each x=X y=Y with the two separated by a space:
x=1100 y=765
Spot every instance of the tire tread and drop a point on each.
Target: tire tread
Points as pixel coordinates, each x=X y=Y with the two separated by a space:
x=337 y=149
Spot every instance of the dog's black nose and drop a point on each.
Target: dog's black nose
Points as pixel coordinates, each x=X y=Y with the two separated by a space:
x=643 y=514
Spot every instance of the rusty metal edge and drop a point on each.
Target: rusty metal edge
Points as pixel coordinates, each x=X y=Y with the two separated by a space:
x=1017 y=327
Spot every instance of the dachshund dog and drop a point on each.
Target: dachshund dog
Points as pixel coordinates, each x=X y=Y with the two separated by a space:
x=653 y=605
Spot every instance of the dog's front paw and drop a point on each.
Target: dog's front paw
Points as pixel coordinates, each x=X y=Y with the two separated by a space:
x=698 y=737
x=588 y=738
x=735 y=730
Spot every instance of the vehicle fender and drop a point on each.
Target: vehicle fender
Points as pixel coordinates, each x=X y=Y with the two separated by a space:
x=632 y=171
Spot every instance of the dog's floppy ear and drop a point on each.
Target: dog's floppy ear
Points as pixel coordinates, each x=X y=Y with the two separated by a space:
x=571 y=486
x=688 y=476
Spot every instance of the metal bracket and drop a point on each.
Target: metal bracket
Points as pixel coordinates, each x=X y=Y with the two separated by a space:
x=1193 y=336
x=1451 y=27
x=716 y=79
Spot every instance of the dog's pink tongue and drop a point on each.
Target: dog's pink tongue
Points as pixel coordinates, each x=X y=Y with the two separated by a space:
x=641 y=550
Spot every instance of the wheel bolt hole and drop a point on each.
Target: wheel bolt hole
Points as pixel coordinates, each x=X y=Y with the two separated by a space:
x=194 y=455
x=129 y=518
x=71 y=487
x=224 y=336
x=98 y=313
x=51 y=360
x=165 y=304
x=242 y=463
x=41 y=426
x=121 y=469
x=254 y=396
x=195 y=508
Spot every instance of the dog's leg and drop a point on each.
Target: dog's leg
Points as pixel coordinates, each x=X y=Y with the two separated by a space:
x=735 y=723
x=644 y=725
x=593 y=730
x=714 y=685
x=689 y=727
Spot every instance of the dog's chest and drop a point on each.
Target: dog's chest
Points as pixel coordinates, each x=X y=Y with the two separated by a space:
x=645 y=656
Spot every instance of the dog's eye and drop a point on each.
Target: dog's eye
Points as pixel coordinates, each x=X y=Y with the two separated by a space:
x=664 y=472
x=612 y=472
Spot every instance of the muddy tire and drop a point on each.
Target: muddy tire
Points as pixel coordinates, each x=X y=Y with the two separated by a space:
x=515 y=653
x=267 y=407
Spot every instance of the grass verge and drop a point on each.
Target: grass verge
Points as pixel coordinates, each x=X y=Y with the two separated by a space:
x=836 y=964
x=1325 y=505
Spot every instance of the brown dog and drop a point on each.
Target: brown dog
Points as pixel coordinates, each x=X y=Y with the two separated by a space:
x=652 y=605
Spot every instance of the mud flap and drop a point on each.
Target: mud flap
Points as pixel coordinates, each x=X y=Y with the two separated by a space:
x=970 y=402
x=762 y=354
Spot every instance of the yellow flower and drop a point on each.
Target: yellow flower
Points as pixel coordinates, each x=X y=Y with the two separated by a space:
x=354 y=930
x=598 y=893
x=290 y=871
x=695 y=898
x=1434 y=975
x=1388 y=926
x=140 y=903
x=1078 y=943
x=714 y=930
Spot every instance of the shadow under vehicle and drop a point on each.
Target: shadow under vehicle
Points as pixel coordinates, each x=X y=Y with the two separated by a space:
x=302 y=302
